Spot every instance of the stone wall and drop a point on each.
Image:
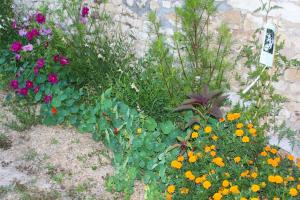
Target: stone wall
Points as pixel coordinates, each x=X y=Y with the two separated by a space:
x=238 y=14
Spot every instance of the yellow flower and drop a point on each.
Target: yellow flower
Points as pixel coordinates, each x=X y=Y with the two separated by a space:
x=234 y=189
x=175 y=164
x=206 y=184
x=207 y=149
x=225 y=183
x=239 y=125
x=255 y=198
x=273 y=162
x=237 y=159
x=190 y=153
x=199 y=155
x=233 y=116
x=255 y=188
x=250 y=125
x=298 y=186
x=171 y=189
x=245 y=139
x=293 y=192
x=252 y=131
x=273 y=151
x=239 y=133
x=226 y=174
x=271 y=179
x=225 y=191
x=263 y=184
x=276 y=198
x=253 y=174
x=217 y=196
x=250 y=162
x=245 y=173
x=208 y=129
x=221 y=119
x=139 y=130
x=184 y=190
x=169 y=196
x=193 y=159
x=180 y=158
x=218 y=161
x=275 y=179
x=198 y=180
x=213 y=147
x=196 y=127
x=215 y=138
x=195 y=135
x=268 y=148
x=291 y=157
x=189 y=175
x=243 y=198
x=213 y=153
x=264 y=153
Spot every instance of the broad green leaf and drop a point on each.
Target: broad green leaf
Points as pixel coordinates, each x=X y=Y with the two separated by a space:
x=150 y=124
x=167 y=127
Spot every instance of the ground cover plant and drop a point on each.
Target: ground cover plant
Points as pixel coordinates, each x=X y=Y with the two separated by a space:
x=188 y=158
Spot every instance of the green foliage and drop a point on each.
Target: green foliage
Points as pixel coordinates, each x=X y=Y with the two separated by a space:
x=6 y=19
x=5 y=142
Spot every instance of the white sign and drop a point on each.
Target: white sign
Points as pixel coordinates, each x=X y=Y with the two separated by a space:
x=268 y=48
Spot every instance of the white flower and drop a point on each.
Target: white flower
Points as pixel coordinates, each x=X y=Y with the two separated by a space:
x=133 y=86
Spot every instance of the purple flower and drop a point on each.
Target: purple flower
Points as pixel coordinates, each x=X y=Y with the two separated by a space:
x=14 y=84
x=36 y=70
x=18 y=57
x=83 y=20
x=29 y=84
x=44 y=31
x=31 y=34
x=36 y=89
x=14 y=24
x=47 y=99
x=22 y=32
x=64 y=60
x=23 y=91
x=40 y=18
x=56 y=58
x=27 y=47
x=16 y=47
x=52 y=78
x=35 y=32
x=40 y=63
x=85 y=11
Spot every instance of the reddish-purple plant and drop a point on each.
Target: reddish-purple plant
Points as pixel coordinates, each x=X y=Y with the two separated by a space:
x=40 y=63
x=18 y=57
x=14 y=84
x=36 y=70
x=29 y=84
x=52 y=78
x=64 y=60
x=14 y=24
x=23 y=91
x=85 y=11
x=56 y=58
x=40 y=18
x=16 y=47
x=47 y=99
x=36 y=89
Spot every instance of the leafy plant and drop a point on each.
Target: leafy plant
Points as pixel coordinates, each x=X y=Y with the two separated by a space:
x=5 y=142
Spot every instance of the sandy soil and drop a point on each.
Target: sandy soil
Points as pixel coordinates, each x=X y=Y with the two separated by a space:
x=54 y=163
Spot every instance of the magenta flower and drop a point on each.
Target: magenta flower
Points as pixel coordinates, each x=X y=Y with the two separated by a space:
x=40 y=18
x=14 y=24
x=56 y=58
x=35 y=32
x=64 y=61
x=14 y=84
x=36 y=70
x=52 y=78
x=23 y=91
x=40 y=63
x=22 y=32
x=29 y=36
x=16 y=47
x=36 y=89
x=29 y=84
x=18 y=57
x=47 y=99
x=27 y=47
x=85 y=11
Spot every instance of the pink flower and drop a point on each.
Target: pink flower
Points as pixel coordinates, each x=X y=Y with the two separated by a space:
x=47 y=99
x=44 y=31
x=14 y=84
x=52 y=78
x=27 y=47
x=16 y=47
x=56 y=58
x=83 y=20
x=23 y=91
x=40 y=63
x=64 y=61
x=36 y=89
x=85 y=11
x=14 y=24
x=22 y=32
x=36 y=70
x=18 y=57
x=40 y=18
x=29 y=84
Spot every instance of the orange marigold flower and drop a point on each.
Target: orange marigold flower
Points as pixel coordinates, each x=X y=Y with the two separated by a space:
x=213 y=153
x=225 y=191
x=184 y=190
x=237 y=159
x=276 y=198
x=234 y=189
x=195 y=135
x=291 y=157
x=239 y=125
x=215 y=138
x=213 y=147
x=245 y=173
x=198 y=180
x=217 y=196
x=206 y=184
x=255 y=188
x=245 y=139
x=278 y=179
x=221 y=119
x=53 y=110
x=169 y=196
x=274 y=151
x=175 y=164
x=264 y=153
x=196 y=127
x=250 y=125
x=225 y=183
x=190 y=153
x=293 y=192
x=207 y=149
x=189 y=175
x=193 y=159
x=298 y=186
x=273 y=162
x=239 y=132
x=253 y=174
x=250 y=162
x=208 y=129
x=218 y=161
x=268 y=148
x=180 y=158
x=171 y=189
x=243 y=198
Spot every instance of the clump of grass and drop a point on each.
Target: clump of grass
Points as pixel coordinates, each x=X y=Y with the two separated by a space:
x=5 y=142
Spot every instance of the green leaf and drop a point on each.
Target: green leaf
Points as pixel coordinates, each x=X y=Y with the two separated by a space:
x=150 y=124
x=56 y=102
x=167 y=127
x=38 y=97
